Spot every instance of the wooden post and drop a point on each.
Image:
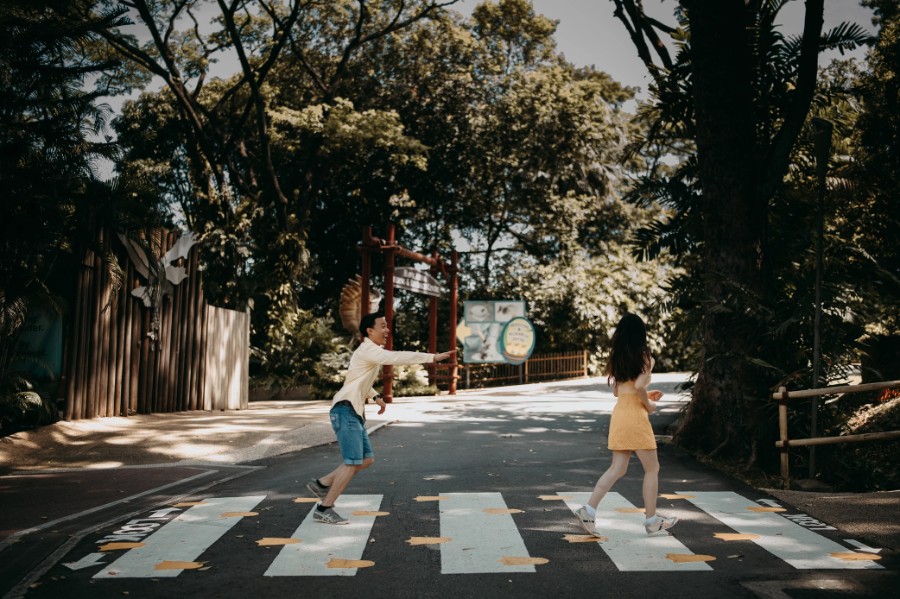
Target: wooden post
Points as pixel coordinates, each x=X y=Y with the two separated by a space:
x=388 y=370
x=783 y=434
x=366 y=273
x=432 y=325
x=454 y=299
x=585 y=363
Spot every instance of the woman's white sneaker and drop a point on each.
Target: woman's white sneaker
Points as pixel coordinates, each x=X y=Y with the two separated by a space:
x=658 y=524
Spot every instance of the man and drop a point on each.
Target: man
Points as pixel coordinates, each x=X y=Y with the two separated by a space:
x=348 y=412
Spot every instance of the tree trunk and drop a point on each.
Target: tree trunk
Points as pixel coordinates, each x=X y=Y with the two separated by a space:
x=733 y=229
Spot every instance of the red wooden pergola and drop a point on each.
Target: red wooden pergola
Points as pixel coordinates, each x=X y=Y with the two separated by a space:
x=391 y=249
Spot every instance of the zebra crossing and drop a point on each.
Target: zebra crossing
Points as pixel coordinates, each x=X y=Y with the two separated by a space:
x=479 y=534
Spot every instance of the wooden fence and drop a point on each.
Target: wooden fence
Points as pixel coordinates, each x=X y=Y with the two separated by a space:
x=784 y=443
x=546 y=367
x=112 y=367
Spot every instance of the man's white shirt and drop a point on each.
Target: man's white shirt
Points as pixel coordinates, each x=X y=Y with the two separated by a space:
x=365 y=364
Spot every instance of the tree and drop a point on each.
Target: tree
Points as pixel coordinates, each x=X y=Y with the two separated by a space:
x=226 y=126
x=739 y=94
x=874 y=219
x=50 y=138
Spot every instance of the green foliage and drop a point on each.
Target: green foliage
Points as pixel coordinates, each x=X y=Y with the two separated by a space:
x=51 y=136
x=869 y=466
x=779 y=323
x=329 y=372
x=411 y=381
x=21 y=407
x=444 y=126
x=296 y=339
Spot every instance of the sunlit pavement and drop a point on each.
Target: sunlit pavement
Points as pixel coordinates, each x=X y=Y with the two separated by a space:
x=76 y=474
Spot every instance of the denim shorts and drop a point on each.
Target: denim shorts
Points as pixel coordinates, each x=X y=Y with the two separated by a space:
x=351 y=435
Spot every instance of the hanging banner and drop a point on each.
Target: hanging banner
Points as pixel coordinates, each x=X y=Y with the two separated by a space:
x=482 y=325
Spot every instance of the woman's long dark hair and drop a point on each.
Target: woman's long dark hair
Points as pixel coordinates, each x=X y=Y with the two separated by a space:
x=629 y=355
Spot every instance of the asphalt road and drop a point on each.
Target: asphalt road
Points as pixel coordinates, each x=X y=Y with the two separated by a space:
x=482 y=484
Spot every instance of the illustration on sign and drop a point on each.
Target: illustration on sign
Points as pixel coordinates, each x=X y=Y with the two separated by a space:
x=482 y=326
x=517 y=340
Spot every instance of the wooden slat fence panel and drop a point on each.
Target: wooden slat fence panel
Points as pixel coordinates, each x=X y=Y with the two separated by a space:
x=228 y=345
x=112 y=367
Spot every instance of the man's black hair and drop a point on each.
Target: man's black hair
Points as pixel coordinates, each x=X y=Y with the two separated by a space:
x=368 y=322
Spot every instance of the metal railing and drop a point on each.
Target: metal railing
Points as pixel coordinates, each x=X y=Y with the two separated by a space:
x=785 y=443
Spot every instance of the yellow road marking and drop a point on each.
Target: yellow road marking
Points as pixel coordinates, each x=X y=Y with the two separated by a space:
x=178 y=565
x=428 y=540
x=584 y=539
x=116 y=546
x=854 y=556
x=350 y=563
x=523 y=561
x=684 y=558
x=270 y=541
x=734 y=536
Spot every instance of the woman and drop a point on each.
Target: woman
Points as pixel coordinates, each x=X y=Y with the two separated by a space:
x=628 y=369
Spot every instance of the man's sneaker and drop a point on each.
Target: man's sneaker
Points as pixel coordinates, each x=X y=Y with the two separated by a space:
x=329 y=516
x=586 y=521
x=660 y=523
x=316 y=489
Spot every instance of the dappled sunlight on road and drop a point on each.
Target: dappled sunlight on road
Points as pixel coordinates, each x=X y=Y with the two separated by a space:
x=154 y=438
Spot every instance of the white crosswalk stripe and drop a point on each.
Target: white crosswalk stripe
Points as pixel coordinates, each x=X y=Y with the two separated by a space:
x=480 y=535
x=183 y=539
x=798 y=546
x=322 y=543
x=629 y=546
